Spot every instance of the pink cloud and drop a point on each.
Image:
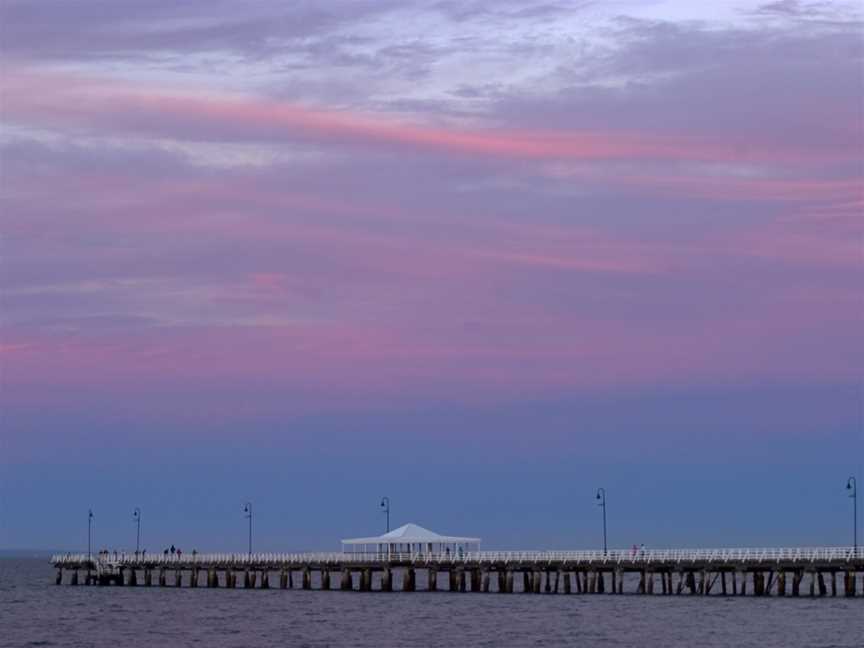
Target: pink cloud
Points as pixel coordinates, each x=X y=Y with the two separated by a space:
x=106 y=105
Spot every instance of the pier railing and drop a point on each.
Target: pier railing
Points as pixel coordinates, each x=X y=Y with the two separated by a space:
x=593 y=557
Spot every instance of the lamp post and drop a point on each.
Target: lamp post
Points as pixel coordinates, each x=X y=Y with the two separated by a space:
x=601 y=495
x=852 y=487
x=136 y=515
x=89 y=528
x=385 y=506
x=247 y=509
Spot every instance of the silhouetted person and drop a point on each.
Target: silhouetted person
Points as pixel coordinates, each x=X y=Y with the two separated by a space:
x=173 y=550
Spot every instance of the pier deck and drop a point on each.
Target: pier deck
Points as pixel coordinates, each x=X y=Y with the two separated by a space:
x=729 y=572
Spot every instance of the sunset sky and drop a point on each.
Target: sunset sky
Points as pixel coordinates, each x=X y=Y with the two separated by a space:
x=481 y=256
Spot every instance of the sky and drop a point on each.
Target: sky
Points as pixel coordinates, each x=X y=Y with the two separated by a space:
x=482 y=257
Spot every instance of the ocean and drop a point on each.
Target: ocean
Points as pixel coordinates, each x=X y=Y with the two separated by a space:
x=36 y=612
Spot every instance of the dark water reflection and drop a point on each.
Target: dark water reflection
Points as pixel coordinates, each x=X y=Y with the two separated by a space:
x=35 y=612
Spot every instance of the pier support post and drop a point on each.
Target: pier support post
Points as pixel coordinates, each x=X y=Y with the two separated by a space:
x=345 y=582
x=758 y=585
x=548 y=586
x=178 y=578
x=74 y=579
x=796 y=582
x=59 y=577
x=460 y=579
x=781 y=583
x=822 y=589
x=476 y=580
x=409 y=581
x=253 y=579
x=538 y=581
x=567 y=585
x=850 y=582
x=431 y=578
x=193 y=577
x=601 y=582
x=691 y=582
x=508 y=582
x=325 y=579
x=833 y=583
x=527 y=582
x=133 y=577
x=307 y=579
x=265 y=579
x=451 y=580
x=283 y=579
x=557 y=582
x=641 y=589
x=148 y=578
x=247 y=580
x=650 y=582
x=502 y=581
x=162 y=581
x=485 y=586
x=230 y=579
x=723 y=583
x=812 y=583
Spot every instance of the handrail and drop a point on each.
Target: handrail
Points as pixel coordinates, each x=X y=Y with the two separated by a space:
x=615 y=556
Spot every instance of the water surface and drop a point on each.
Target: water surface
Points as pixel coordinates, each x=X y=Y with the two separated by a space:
x=35 y=612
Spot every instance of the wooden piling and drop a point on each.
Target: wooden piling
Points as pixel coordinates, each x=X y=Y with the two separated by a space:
x=502 y=581
x=781 y=583
x=74 y=579
x=162 y=580
x=822 y=589
x=691 y=582
x=59 y=579
x=178 y=578
x=548 y=584
x=641 y=588
x=485 y=586
x=527 y=582
x=723 y=583
x=508 y=581
x=307 y=578
x=431 y=578
x=812 y=583
x=833 y=583
x=538 y=581
x=557 y=582
x=325 y=579
x=283 y=579
x=796 y=582
x=567 y=584
x=345 y=582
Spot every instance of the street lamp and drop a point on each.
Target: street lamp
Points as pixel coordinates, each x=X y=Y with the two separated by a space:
x=247 y=509
x=136 y=515
x=89 y=531
x=852 y=487
x=601 y=495
x=385 y=506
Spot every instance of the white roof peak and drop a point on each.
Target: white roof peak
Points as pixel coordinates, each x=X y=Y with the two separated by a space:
x=412 y=533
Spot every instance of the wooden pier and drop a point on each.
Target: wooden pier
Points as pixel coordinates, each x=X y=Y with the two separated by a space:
x=816 y=572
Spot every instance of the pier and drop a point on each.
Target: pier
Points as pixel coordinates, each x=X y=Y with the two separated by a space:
x=815 y=572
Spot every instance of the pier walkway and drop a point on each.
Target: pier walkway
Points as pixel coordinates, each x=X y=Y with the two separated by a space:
x=727 y=572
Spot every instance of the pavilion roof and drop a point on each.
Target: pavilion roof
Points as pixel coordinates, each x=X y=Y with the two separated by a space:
x=411 y=533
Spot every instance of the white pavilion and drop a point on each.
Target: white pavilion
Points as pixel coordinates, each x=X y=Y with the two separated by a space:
x=414 y=540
